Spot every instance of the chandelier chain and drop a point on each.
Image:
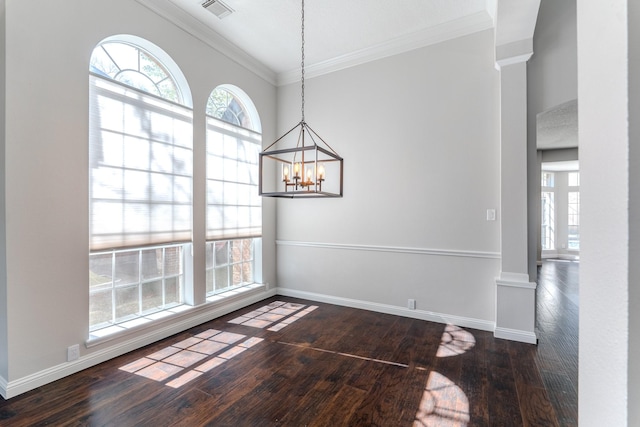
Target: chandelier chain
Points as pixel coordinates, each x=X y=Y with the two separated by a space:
x=302 y=63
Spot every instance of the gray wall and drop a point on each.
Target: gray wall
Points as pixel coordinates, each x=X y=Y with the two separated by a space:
x=3 y=236
x=608 y=49
x=46 y=170
x=552 y=79
x=634 y=215
x=419 y=134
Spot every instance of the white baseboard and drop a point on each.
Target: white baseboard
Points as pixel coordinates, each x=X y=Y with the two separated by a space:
x=516 y=335
x=563 y=256
x=3 y=387
x=13 y=388
x=483 y=325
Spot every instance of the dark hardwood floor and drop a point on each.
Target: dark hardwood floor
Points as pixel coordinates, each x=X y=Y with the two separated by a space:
x=291 y=362
x=557 y=351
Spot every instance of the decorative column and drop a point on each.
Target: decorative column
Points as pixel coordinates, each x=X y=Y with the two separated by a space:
x=515 y=293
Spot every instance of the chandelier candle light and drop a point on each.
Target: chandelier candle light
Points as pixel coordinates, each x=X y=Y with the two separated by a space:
x=302 y=169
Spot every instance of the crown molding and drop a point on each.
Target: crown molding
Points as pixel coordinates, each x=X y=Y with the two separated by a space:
x=446 y=31
x=202 y=32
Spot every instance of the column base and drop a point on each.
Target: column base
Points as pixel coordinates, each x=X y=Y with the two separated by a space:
x=515 y=308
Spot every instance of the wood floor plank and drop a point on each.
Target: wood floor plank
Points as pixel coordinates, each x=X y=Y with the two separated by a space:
x=563 y=396
x=335 y=366
x=474 y=382
x=375 y=409
x=535 y=407
x=341 y=407
x=503 y=404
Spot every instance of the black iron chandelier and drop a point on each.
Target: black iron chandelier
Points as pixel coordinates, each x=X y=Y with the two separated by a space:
x=309 y=167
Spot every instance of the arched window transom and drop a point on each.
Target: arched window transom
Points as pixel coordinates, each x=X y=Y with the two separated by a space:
x=130 y=65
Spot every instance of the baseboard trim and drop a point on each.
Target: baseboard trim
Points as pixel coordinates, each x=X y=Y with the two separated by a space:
x=483 y=325
x=515 y=284
x=392 y=249
x=13 y=388
x=3 y=387
x=516 y=335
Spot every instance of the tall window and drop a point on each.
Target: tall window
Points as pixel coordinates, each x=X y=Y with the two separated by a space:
x=548 y=211
x=234 y=208
x=140 y=174
x=573 y=242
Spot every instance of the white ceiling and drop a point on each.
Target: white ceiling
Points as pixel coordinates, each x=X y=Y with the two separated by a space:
x=265 y=35
x=562 y=166
x=558 y=127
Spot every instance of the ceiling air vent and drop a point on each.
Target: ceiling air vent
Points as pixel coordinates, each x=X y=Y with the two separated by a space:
x=217 y=8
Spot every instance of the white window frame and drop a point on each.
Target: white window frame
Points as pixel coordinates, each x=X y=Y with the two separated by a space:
x=223 y=211
x=159 y=235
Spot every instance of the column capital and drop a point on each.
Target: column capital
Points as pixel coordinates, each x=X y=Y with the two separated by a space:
x=513 y=53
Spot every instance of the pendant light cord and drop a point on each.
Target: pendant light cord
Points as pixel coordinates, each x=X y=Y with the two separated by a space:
x=302 y=64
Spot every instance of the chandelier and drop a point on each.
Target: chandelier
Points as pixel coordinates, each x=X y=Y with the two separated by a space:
x=300 y=164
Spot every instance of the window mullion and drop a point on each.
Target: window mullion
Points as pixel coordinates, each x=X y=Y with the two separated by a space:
x=139 y=282
x=113 y=288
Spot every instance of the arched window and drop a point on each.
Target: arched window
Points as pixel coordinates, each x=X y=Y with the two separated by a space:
x=234 y=208
x=140 y=180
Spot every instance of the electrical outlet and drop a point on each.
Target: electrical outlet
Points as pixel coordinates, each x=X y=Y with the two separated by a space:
x=491 y=214
x=73 y=353
x=411 y=304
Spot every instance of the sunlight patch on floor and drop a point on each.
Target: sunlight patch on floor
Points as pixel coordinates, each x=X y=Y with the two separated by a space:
x=194 y=356
x=455 y=341
x=196 y=352
x=284 y=313
x=443 y=404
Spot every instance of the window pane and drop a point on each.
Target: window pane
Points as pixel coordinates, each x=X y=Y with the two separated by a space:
x=151 y=264
x=222 y=253
x=158 y=287
x=126 y=268
x=172 y=292
x=100 y=271
x=209 y=280
x=222 y=278
x=548 y=221
x=151 y=68
x=235 y=266
x=574 y=179
x=152 y=296
x=132 y=66
x=125 y=56
x=236 y=251
x=574 y=220
x=138 y=80
x=547 y=179
x=574 y=198
x=126 y=303
x=172 y=261
x=247 y=272
x=237 y=274
x=100 y=307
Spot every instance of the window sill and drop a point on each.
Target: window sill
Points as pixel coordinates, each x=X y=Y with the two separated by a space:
x=131 y=327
